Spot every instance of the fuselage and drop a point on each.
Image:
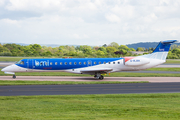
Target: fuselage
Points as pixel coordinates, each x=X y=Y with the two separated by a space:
x=75 y=65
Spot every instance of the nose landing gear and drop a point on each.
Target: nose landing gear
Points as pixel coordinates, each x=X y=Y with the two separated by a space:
x=14 y=76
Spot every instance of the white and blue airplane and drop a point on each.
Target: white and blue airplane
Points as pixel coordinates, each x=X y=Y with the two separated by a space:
x=93 y=66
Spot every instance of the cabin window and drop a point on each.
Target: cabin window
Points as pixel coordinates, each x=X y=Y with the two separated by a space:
x=65 y=63
x=80 y=63
x=84 y=63
x=113 y=62
x=94 y=62
x=55 y=63
x=50 y=63
x=104 y=62
x=99 y=62
x=75 y=63
x=41 y=63
x=118 y=62
x=46 y=63
x=89 y=63
x=70 y=63
x=109 y=62
x=60 y=63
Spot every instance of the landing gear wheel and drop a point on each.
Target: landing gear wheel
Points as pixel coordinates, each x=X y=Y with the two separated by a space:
x=14 y=76
x=101 y=77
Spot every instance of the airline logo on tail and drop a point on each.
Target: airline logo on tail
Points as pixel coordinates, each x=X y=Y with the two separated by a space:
x=161 y=49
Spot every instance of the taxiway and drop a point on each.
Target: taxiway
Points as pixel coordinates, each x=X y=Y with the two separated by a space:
x=89 y=89
x=64 y=78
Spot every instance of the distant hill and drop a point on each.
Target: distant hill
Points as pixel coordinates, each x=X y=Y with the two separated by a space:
x=145 y=45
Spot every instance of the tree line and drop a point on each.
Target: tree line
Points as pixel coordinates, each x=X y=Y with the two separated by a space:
x=111 y=50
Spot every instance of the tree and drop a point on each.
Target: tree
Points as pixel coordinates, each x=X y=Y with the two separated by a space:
x=104 y=45
x=48 y=53
x=102 y=49
x=111 y=50
x=96 y=48
x=176 y=51
x=114 y=44
x=86 y=49
x=140 y=49
x=124 y=47
x=132 y=49
x=100 y=53
x=1 y=48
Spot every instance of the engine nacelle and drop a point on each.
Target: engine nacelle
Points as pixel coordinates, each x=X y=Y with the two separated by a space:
x=137 y=61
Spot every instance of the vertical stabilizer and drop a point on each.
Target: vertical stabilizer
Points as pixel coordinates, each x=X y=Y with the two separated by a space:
x=164 y=46
x=161 y=51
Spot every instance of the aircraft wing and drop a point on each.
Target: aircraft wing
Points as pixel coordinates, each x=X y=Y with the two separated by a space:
x=99 y=70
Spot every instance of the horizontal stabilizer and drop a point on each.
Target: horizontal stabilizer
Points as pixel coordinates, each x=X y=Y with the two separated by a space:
x=168 y=41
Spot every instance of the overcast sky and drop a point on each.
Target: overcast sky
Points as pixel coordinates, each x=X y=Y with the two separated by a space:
x=88 y=22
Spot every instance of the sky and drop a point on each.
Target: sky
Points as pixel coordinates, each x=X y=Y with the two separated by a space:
x=89 y=22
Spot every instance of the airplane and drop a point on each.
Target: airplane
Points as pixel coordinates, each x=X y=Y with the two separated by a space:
x=93 y=66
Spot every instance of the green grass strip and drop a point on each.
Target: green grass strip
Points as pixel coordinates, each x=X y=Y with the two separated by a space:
x=92 y=107
x=164 y=69
x=175 y=61
x=18 y=82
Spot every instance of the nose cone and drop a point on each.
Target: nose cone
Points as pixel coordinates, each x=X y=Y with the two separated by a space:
x=3 y=70
x=8 y=70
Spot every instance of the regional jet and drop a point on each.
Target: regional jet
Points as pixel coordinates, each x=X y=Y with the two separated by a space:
x=93 y=66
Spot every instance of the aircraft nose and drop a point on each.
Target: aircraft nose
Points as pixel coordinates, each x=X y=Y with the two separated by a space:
x=3 y=70
x=7 y=69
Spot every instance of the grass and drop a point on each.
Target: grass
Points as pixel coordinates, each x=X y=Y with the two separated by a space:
x=164 y=69
x=18 y=82
x=92 y=107
x=13 y=59
x=175 y=61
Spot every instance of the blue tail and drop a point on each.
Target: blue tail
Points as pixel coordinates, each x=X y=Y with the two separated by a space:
x=164 y=46
x=161 y=51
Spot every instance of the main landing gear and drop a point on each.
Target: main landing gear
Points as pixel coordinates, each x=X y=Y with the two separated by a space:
x=98 y=76
x=14 y=76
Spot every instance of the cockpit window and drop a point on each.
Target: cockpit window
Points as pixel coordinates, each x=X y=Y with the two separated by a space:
x=20 y=62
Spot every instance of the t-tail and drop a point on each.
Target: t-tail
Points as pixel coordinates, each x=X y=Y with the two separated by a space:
x=161 y=51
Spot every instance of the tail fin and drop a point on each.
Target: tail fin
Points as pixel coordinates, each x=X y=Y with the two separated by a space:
x=161 y=51
x=164 y=46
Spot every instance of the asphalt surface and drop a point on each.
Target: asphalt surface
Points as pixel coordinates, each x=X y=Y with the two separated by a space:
x=89 y=89
x=90 y=79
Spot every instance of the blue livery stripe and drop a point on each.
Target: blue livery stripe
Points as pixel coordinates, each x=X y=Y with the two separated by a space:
x=62 y=64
